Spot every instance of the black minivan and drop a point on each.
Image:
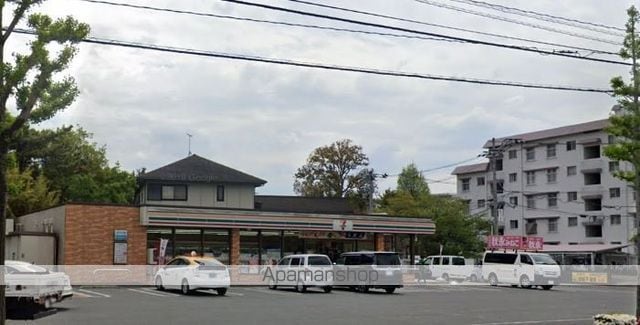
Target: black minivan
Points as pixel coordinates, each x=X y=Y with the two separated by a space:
x=366 y=270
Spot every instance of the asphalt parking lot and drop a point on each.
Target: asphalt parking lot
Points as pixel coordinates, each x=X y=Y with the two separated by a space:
x=431 y=304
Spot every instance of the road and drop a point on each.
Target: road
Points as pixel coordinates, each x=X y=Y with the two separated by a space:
x=434 y=304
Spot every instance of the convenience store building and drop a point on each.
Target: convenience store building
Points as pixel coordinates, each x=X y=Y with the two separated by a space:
x=197 y=206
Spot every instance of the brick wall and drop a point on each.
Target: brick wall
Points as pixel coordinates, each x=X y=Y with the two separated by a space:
x=89 y=234
x=378 y=242
x=235 y=247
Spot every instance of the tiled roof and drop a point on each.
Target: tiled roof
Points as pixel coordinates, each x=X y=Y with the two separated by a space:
x=303 y=204
x=195 y=169
x=475 y=168
x=556 y=132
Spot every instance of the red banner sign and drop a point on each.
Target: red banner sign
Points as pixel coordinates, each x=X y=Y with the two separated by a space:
x=515 y=242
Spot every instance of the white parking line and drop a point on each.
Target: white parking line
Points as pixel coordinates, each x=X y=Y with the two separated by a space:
x=539 y=321
x=82 y=295
x=164 y=293
x=148 y=293
x=272 y=292
x=95 y=293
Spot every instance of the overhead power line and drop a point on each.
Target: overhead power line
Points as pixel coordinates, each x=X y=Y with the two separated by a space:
x=272 y=22
x=322 y=66
x=468 y=40
x=373 y=14
x=546 y=17
x=425 y=171
x=515 y=21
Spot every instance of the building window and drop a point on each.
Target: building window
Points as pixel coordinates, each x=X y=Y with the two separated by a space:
x=159 y=192
x=531 y=154
x=499 y=164
x=592 y=152
x=614 y=192
x=216 y=244
x=513 y=177
x=592 y=178
x=571 y=145
x=500 y=187
x=531 y=178
x=480 y=181
x=513 y=201
x=593 y=204
x=572 y=196
x=553 y=225
x=513 y=154
x=481 y=204
x=572 y=171
x=531 y=202
x=552 y=175
x=616 y=219
x=220 y=193
x=593 y=231
x=551 y=151
x=614 y=166
x=572 y=221
x=465 y=184
x=513 y=224
x=531 y=227
x=552 y=200
x=611 y=139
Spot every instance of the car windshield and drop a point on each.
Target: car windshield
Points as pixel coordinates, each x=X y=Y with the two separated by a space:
x=29 y=268
x=319 y=260
x=387 y=259
x=208 y=262
x=543 y=259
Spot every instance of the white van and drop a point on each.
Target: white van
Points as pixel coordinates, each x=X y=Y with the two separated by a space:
x=302 y=271
x=448 y=267
x=520 y=268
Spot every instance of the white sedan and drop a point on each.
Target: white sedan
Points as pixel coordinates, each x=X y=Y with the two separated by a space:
x=193 y=273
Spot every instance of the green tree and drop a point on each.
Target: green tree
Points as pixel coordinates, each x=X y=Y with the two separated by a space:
x=457 y=231
x=32 y=81
x=411 y=181
x=27 y=192
x=76 y=166
x=625 y=126
x=335 y=170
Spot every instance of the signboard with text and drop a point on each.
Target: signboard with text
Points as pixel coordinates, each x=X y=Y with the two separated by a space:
x=515 y=242
x=333 y=235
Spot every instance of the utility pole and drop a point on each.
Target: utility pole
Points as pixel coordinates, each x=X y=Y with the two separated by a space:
x=371 y=188
x=494 y=186
x=495 y=152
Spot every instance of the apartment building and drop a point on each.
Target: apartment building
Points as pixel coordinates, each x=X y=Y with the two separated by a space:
x=556 y=184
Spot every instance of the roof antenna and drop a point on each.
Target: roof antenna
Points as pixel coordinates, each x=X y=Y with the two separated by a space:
x=190 y=136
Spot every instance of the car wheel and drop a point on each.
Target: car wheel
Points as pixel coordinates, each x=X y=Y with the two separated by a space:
x=445 y=277
x=493 y=280
x=300 y=287
x=221 y=291
x=473 y=278
x=546 y=287
x=327 y=289
x=184 y=288
x=159 y=283
x=390 y=290
x=525 y=282
x=272 y=285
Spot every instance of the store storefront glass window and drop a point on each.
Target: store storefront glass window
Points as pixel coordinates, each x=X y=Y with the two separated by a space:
x=154 y=237
x=271 y=250
x=293 y=244
x=248 y=247
x=216 y=244
x=188 y=242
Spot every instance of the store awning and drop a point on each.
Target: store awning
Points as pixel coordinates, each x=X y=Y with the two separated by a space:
x=582 y=248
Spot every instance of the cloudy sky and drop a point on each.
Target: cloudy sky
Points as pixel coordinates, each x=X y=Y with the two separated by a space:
x=266 y=119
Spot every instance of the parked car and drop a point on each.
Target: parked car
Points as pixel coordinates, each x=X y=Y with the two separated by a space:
x=309 y=270
x=385 y=266
x=28 y=285
x=521 y=268
x=448 y=267
x=193 y=273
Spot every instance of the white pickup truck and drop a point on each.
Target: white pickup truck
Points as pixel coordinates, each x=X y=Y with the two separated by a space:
x=29 y=286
